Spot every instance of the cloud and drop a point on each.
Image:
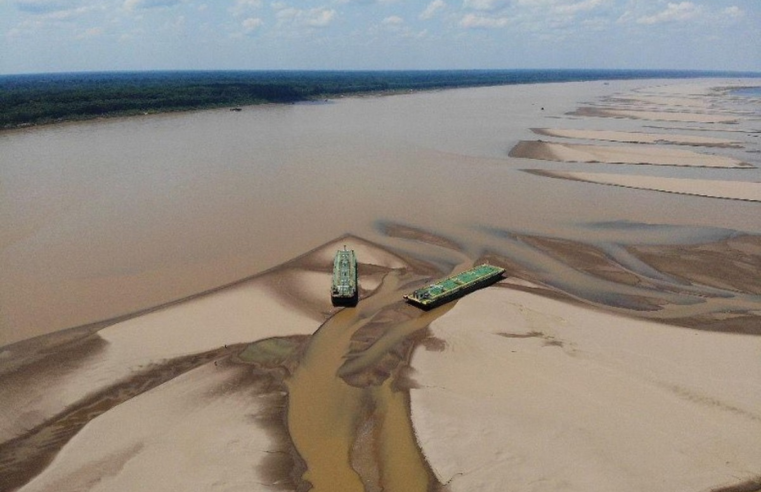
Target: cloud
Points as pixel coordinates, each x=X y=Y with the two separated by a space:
x=574 y=8
x=484 y=5
x=93 y=32
x=366 y=2
x=394 y=20
x=317 y=17
x=473 y=21
x=241 y=7
x=733 y=11
x=44 y=6
x=675 y=12
x=149 y=4
x=252 y=24
x=432 y=9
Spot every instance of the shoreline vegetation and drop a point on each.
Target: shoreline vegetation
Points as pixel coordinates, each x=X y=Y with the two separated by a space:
x=40 y=99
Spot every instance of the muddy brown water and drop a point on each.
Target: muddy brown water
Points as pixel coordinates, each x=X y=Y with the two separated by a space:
x=105 y=218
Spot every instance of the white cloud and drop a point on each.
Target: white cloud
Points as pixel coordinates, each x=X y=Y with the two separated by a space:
x=45 y=6
x=149 y=4
x=484 y=5
x=733 y=11
x=393 y=20
x=574 y=8
x=675 y=12
x=241 y=7
x=93 y=32
x=317 y=17
x=252 y=24
x=432 y=9
x=366 y=2
x=472 y=21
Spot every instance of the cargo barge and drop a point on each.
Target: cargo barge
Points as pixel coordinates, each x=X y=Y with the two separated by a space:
x=455 y=286
x=345 y=288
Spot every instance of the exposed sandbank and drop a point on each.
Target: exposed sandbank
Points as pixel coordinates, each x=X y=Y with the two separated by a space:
x=684 y=117
x=584 y=400
x=730 y=190
x=358 y=359
x=636 y=137
x=646 y=155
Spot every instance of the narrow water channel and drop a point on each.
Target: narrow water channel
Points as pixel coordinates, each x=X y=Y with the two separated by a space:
x=328 y=416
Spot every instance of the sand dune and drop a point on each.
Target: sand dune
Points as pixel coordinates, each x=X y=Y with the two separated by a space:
x=526 y=392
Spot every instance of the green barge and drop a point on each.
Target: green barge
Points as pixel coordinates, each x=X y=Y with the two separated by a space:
x=455 y=286
x=345 y=289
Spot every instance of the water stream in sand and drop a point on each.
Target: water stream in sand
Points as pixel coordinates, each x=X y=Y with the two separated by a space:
x=105 y=218
x=325 y=413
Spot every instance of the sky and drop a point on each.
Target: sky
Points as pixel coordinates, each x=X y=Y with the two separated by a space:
x=41 y=36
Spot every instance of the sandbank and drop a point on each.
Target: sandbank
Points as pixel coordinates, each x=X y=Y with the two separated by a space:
x=655 y=115
x=709 y=188
x=521 y=390
x=149 y=365
x=662 y=101
x=646 y=155
x=636 y=137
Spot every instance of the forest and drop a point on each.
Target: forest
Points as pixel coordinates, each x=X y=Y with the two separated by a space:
x=27 y=100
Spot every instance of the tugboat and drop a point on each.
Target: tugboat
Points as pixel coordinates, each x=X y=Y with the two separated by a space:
x=454 y=287
x=345 y=288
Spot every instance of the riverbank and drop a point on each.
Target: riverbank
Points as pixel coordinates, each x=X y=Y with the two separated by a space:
x=45 y=99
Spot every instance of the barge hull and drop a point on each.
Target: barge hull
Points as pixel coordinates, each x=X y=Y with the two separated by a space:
x=454 y=287
x=345 y=287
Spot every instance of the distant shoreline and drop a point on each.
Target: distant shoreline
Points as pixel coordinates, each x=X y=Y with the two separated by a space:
x=44 y=99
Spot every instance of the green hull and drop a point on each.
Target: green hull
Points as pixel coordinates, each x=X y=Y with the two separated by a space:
x=455 y=286
x=344 y=290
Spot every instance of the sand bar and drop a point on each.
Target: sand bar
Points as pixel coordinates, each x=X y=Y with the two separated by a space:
x=664 y=101
x=646 y=155
x=525 y=390
x=655 y=115
x=730 y=190
x=636 y=137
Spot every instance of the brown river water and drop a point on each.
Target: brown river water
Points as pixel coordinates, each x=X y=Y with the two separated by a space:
x=104 y=218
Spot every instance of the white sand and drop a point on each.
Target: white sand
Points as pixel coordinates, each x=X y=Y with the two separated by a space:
x=623 y=405
x=735 y=190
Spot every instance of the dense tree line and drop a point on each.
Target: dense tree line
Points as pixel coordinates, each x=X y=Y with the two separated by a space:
x=38 y=99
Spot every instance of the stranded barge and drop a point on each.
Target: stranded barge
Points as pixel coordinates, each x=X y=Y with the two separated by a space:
x=345 y=289
x=455 y=286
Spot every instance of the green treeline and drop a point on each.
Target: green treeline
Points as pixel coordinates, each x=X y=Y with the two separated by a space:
x=39 y=99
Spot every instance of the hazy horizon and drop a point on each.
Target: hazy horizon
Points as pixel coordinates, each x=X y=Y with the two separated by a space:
x=53 y=36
